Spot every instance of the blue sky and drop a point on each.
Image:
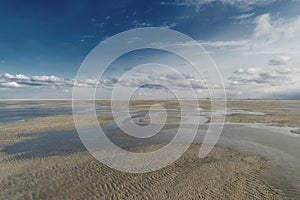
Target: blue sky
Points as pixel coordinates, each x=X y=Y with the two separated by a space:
x=254 y=43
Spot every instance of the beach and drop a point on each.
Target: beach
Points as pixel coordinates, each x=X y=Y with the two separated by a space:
x=43 y=157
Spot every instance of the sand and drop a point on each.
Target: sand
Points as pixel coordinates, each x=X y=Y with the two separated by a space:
x=224 y=174
x=44 y=124
x=283 y=113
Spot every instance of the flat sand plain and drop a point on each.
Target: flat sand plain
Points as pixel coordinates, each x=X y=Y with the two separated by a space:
x=224 y=174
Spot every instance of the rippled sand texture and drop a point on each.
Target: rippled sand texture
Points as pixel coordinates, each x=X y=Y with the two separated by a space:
x=224 y=174
x=38 y=169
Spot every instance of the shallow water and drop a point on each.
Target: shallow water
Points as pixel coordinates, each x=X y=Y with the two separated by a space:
x=67 y=142
x=278 y=145
x=280 y=148
x=16 y=111
x=10 y=112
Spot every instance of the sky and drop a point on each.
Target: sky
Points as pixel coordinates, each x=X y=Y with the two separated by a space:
x=255 y=45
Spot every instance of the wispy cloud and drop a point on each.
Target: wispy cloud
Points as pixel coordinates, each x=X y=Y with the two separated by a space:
x=270 y=36
x=137 y=24
x=198 y=4
x=227 y=44
x=246 y=18
x=169 y=25
x=279 y=34
x=87 y=36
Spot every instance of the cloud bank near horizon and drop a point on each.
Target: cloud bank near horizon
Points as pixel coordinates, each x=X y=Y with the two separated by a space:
x=264 y=83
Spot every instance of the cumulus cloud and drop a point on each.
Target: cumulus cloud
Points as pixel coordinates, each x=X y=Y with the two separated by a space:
x=140 y=79
x=255 y=75
x=244 y=83
x=158 y=81
x=281 y=60
x=11 y=84
x=21 y=81
x=274 y=41
x=264 y=83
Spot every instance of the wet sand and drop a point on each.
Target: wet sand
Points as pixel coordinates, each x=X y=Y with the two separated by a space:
x=278 y=145
x=43 y=158
x=224 y=174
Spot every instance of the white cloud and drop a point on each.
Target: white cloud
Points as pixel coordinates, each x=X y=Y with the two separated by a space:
x=22 y=77
x=138 y=24
x=10 y=85
x=222 y=44
x=264 y=83
x=46 y=78
x=281 y=60
x=250 y=71
x=15 y=77
x=270 y=36
x=246 y=18
x=8 y=76
x=277 y=35
x=21 y=81
x=156 y=81
x=198 y=4
x=266 y=31
x=247 y=4
x=169 y=25
x=273 y=42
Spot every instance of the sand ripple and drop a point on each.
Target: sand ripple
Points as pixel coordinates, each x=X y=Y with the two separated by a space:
x=224 y=174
